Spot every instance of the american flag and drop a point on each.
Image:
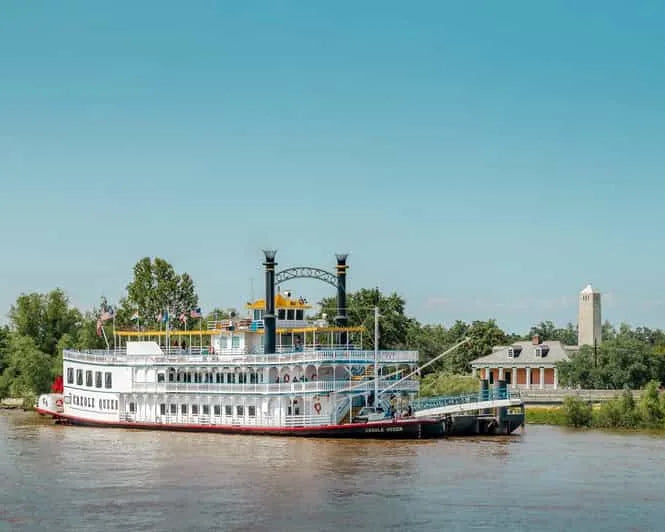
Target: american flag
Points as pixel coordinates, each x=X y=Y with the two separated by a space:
x=195 y=313
x=183 y=317
x=106 y=315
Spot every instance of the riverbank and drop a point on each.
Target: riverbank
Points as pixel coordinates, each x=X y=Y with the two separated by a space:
x=12 y=403
x=557 y=416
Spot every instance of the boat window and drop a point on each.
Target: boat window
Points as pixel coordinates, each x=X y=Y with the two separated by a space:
x=160 y=377
x=162 y=409
x=88 y=378
x=219 y=378
x=92 y=402
x=195 y=410
x=228 y=410
x=85 y=401
x=224 y=342
x=174 y=409
x=300 y=314
x=251 y=411
x=290 y=314
x=132 y=408
x=183 y=410
x=107 y=377
x=235 y=342
x=70 y=375
x=217 y=410
x=206 y=410
x=281 y=314
x=98 y=379
x=79 y=377
x=239 y=410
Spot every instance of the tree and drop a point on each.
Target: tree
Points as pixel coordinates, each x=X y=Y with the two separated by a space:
x=28 y=371
x=393 y=323
x=630 y=358
x=156 y=288
x=44 y=318
x=546 y=330
x=484 y=335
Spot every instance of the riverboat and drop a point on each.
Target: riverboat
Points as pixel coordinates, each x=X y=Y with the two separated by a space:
x=274 y=372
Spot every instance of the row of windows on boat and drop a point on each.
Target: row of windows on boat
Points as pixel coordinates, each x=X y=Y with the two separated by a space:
x=204 y=410
x=218 y=378
x=89 y=402
x=283 y=314
x=108 y=379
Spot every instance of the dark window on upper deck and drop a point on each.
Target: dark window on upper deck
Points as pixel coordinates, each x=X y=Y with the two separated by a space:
x=162 y=409
x=79 y=377
x=251 y=411
x=206 y=410
x=240 y=410
x=132 y=408
x=217 y=410
x=108 y=382
x=98 y=379
x=88 y=378
x=70 y=375
x=195 y=410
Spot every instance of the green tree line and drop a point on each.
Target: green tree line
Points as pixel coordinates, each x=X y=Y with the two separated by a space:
x=41 y=325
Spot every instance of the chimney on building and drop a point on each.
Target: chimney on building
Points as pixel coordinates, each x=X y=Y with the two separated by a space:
x=535 y=339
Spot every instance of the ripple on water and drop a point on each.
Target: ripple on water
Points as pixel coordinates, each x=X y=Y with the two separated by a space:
x=102 y=479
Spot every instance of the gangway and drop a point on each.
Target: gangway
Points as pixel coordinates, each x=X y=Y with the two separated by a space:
x=459 y=404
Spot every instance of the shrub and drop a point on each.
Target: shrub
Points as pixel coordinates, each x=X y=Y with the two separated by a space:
x=577 y=412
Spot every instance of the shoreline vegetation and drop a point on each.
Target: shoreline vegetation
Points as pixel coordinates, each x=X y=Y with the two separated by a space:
x=620 y=413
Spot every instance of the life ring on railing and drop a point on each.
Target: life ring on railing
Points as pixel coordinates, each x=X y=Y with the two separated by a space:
x=58 y=403
x=317 y=407
x=286 y=378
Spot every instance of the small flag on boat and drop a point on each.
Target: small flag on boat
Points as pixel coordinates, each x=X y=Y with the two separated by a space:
x=135 y=316
x=195 y=313
x=106 y=315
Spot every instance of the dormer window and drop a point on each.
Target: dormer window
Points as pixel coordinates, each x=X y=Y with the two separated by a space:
x=511 y=352
x=542 y=350
x=539 y=351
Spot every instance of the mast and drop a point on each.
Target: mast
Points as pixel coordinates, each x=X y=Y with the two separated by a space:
x=376 y=356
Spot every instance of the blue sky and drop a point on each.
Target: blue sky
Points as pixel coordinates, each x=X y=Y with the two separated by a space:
x=482 y=160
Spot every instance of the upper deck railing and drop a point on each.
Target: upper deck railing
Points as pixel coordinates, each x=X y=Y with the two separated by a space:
x=176 y=356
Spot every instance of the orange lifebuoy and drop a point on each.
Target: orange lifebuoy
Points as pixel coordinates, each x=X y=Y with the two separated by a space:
x=317 y=407
x=58 y=402
x=286 y=378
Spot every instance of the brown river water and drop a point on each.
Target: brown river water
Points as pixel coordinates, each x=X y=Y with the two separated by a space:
x=70 y=478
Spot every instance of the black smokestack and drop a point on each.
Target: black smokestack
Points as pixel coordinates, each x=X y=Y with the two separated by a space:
x=270 y=329
x=341 y=319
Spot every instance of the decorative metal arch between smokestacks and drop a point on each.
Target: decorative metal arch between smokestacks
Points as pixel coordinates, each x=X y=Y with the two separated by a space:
x=306 y=272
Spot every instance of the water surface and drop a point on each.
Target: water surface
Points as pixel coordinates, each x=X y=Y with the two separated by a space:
x=549 y=478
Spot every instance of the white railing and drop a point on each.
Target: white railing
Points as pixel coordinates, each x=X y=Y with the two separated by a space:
x=318 y=386
x=306 y=421
x=240 y=356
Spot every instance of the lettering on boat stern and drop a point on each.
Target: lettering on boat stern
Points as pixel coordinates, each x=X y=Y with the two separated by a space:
x=384 y=429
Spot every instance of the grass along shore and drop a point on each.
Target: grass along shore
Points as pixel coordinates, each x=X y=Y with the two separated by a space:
x=622 y=412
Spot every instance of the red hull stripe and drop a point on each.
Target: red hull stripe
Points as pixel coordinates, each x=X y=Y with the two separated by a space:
x=328 y=429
